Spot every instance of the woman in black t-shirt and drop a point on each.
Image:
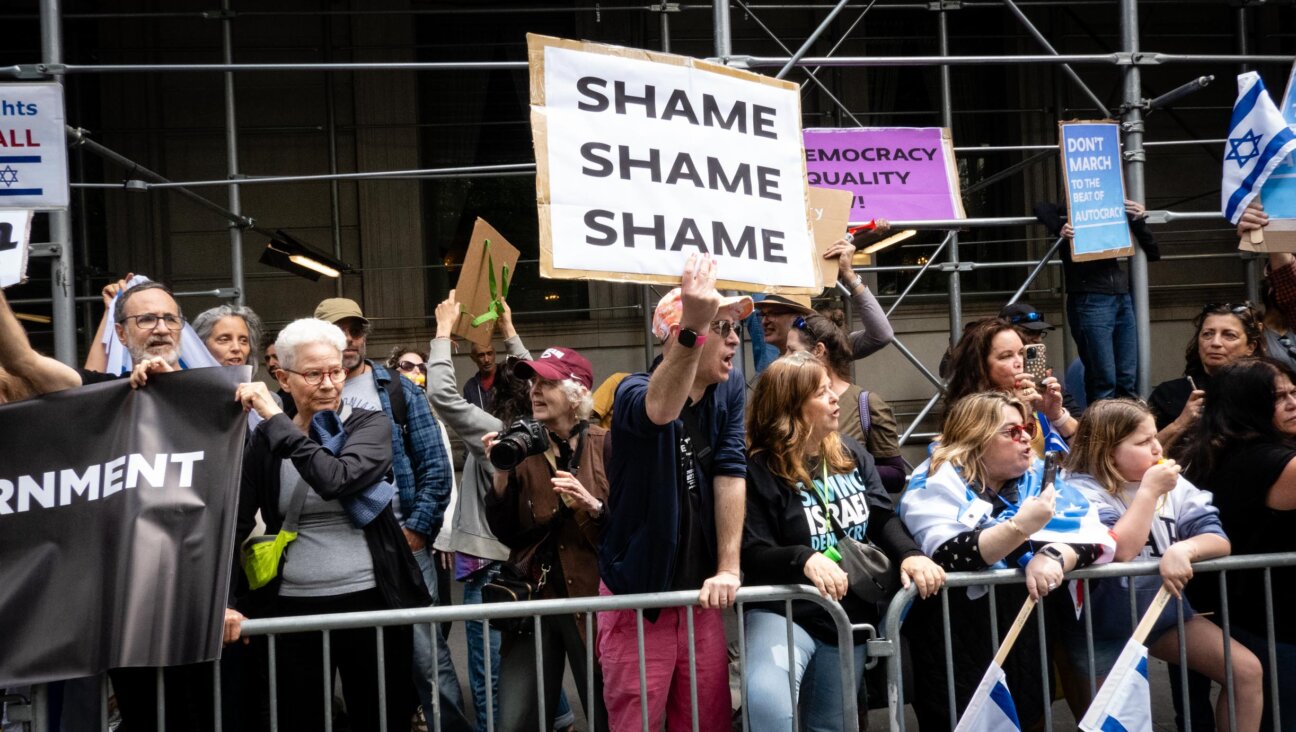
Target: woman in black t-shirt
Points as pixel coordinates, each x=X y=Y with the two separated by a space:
x=1244 y=450
x=805 y=483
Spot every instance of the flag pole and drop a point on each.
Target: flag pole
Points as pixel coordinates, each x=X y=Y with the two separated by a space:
x=1011 y=636
x=1150 y=617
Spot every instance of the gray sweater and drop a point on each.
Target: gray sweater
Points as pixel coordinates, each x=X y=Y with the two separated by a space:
x=468 y=531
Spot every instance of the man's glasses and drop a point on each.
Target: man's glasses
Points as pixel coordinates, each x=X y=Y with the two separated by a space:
x=1020 y=432
x=723 y=328
x=149 y=321
x=1031 y=317
x=411 y=366
x=315 y=376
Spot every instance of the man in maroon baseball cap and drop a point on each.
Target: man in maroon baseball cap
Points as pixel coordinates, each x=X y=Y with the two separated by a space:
x=558 y=364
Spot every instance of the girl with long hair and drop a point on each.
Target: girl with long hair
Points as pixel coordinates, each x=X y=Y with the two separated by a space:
x=806 y=483
x=1116 y=462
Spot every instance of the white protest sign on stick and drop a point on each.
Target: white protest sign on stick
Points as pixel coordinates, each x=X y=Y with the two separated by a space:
x=15 y=235
x=33 y=146
x=643 y=158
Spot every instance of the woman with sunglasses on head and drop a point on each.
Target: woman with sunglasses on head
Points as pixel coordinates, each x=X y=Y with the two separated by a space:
x=1222 y=334
x=1243 y=449
x=826 y=341
x=978 y=504
x=410 y=364
x=799 y=472
x=991 y=357
x=1154 y=515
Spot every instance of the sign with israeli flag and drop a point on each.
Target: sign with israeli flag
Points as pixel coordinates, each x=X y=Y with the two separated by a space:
x=1258 y=141
x=1125 y=700
x=33 y=147
x=991 y=708
x=1279 y=192
x=1095 y=190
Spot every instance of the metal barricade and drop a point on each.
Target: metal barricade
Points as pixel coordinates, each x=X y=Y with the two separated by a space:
x=272 y=628
x=889 y=646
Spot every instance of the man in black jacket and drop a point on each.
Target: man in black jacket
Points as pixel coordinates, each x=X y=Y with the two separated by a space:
x=1099 y=309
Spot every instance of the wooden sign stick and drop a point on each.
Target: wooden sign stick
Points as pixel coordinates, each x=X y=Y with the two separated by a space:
x=1022 y=616
x=1150 y=617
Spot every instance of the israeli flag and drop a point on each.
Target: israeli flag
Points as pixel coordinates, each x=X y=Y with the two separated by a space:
x=1124 y=703
x=991 y=708
x=1258 y=141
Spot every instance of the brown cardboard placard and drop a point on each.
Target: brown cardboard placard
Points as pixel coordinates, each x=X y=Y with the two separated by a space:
x=536 y=45
x=1066 y=185
x=830 y=214
x=1278 y=236
x=473 y=288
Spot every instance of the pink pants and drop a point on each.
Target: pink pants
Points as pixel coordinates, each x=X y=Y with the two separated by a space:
x=666 y=666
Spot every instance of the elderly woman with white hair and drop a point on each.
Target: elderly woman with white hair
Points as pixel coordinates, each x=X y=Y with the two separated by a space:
x=547 y=505
x=232 y=334
x=322 y=475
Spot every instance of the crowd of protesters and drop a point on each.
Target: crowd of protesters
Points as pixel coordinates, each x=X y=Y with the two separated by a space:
x=688 y=477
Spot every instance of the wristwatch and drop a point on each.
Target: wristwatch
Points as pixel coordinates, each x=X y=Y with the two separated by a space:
x=1052 y=553
x=690 y=339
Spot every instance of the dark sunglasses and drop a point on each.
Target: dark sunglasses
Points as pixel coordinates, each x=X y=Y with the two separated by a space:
x=1020 y=318
x=410 y=366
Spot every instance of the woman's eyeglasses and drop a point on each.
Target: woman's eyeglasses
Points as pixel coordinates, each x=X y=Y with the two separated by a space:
x=408 y=366
x=1241 y=308
x=315 y=377
x=1020 y=432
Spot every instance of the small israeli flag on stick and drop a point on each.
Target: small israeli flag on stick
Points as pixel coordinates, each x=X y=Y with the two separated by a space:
x=1124 y=702
x=991 y=708
x=1258 y=141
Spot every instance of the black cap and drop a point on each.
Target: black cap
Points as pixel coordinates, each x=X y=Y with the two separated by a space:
x=1024 y=315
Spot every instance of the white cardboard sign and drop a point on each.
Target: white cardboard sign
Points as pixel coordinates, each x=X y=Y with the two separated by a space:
x=645 y=158
x=33 y=147
x=15 y=236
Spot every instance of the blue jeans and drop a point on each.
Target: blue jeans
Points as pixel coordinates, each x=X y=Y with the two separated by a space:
x=441 y=669
x=1102 y=327
x=476 y=657
x=817 y=674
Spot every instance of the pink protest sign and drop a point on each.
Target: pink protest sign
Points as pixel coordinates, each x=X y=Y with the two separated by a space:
x=896 y=173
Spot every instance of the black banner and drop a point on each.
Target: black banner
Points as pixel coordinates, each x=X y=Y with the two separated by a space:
x=116 y=524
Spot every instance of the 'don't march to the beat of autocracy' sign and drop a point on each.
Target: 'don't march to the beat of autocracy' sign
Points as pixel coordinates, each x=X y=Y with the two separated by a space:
x=902 y=173
x=644 y=158
x=33 y=148
x=1095 y=190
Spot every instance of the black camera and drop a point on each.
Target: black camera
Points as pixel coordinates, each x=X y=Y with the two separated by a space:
x=523 y=438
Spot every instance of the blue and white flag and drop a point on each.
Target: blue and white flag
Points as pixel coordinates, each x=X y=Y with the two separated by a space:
x=991 y=708
x=1053 y=440
x=1258 y=141
x=1124 y=703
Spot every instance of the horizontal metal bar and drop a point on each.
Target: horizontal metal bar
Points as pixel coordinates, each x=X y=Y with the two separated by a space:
x=418 y=173
x=495 y=611
x=1114 y=59
x=30 y=70
x=1031 y=148
x=1154 y=217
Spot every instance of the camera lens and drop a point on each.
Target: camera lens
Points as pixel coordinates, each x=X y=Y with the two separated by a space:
x=507 y=453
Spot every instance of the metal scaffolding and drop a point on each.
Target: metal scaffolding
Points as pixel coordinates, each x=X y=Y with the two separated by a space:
x=1128 y=61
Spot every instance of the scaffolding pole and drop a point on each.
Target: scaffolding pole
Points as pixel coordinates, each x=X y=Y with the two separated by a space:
x=947 y=121
x=231 y=160
x=60 y=222
x=1132 y=124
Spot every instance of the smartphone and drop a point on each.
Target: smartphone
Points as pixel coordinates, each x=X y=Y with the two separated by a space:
x=1036 y=362
x=1050 y=467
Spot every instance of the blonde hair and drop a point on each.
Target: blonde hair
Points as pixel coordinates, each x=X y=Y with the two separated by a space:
x=1103 y=426
x=969 y=426
x=776 y=424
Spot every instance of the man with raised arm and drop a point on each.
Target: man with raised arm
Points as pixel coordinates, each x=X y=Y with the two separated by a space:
x=675 y=513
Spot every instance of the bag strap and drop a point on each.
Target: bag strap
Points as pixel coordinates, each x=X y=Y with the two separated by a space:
x=866 y=417
x=295 y=508
x=836 y=527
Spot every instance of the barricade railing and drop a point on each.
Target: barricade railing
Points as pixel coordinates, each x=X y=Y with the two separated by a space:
x=889 y=645
x=272 y=628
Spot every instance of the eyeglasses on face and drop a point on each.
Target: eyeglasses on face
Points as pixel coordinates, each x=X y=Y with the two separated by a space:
x=411 y=366
x=723 y=328
x=315 y=376
x=149 y=321
x=1020 y=432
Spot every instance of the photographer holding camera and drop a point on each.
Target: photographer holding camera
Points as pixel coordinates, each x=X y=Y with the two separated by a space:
x=547 y=506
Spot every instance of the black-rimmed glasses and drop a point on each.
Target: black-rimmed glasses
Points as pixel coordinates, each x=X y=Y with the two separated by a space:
x=149 y=321
x=315 y=376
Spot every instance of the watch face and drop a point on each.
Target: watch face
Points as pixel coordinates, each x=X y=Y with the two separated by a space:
x=687 y=338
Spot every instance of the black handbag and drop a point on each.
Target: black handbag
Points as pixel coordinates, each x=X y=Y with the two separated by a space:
x=872 y=577
x=520 y=579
